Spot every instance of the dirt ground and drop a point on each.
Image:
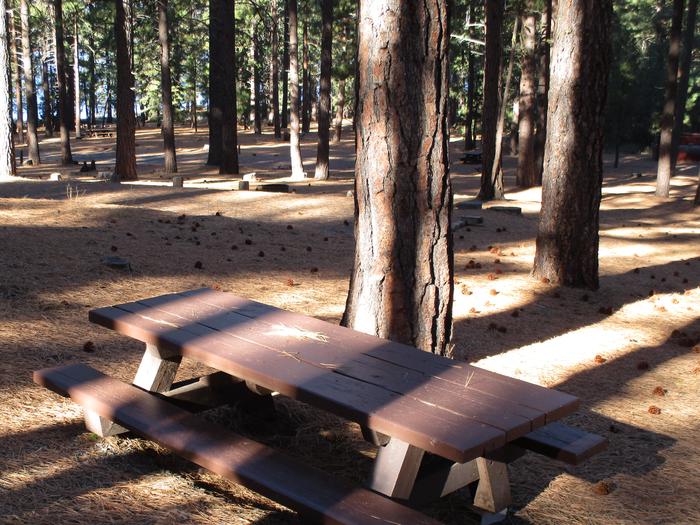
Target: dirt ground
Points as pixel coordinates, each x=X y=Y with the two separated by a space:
x=623 y=349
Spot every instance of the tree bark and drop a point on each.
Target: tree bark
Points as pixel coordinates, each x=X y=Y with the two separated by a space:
x=665 y=165
x=125 y=166
x=17 y=68
x=284 y=117
x=168 y=128
x=46 y=88
x=294 y=145
x=63 y=113
x=324 y=106
x=489 y=122
x=526 y=175
x=471 y=75
x=696 y=201
x=29 y=87
x=684 y=78
x=340 y=110
x=229 y=130
x=542 y=93
x=496 y=169
x=567 y=235
x=305 y=90
x=216 y=57
x=7 y=153
x=76 y=78
x=255 y=91
x=275 y=71
x=401 y=286
x=92 y=92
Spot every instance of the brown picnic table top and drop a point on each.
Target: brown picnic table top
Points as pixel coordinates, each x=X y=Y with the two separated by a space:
x=449 y=408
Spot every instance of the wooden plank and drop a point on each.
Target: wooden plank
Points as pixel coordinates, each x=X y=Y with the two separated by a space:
x=414 y=385
x=493 y=489
x=366 y=404
x=551 y=403
x=318 y=496
x=564 y=443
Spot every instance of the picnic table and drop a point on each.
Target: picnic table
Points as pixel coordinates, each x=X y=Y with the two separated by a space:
x=439 y=424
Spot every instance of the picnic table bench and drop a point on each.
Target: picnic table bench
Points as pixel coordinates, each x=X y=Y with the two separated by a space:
x=439 y=424
x=100 y=132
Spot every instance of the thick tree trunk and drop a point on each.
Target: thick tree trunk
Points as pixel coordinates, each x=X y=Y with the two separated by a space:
x=340 y=110
x=489 y=120
x=284 y=117
x=125 y=166
x=306 y=84
x=294 y=145
x=7 y=154
x=17 y=68
x=542 y=92
x=76 y=79
x=63 y=113
x=665 y=165
x=29 y=88
x=216 y=58
x=684 y=78
x=567 y=235
x=46 y=88
x=324 y=106
x=401 y=286
x=526 y=175
x=168 y=129
x=275 y=71
x=229 y=130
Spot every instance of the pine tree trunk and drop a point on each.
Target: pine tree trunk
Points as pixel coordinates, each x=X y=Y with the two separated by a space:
x=63 y=113
x=76 y=79
x=401 y=286
x=229 y=130
x=526 y=175
x=255 y=91
x=125 y=166
x=7 y=153
x=29 y=88
x=294 y=145
x=340 y=110
x=471 y=74
x=284 y=117
x=665 y=166
x=684 y=78
x=275 y=71
x=496 y=168
x=216 y=58
x=489 y=120
x=567 y=235
x=306 y=88
x=92 y=92
x=168 y=129
x=17 y=68
x=542 y=93
x=324 y=106
x=46 y=88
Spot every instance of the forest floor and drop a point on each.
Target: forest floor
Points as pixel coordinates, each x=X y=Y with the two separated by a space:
x=631 y=345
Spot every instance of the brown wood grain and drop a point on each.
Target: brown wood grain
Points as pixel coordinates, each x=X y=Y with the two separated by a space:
x=320 y=497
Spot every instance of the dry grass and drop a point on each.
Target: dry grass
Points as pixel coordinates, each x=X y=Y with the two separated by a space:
x=613 y=348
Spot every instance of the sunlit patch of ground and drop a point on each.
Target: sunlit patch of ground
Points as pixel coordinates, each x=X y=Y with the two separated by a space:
x=614 y=348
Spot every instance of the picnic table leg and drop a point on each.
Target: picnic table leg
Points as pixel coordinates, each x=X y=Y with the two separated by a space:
x=396 y=468
x=156 y=373
x=493 y=490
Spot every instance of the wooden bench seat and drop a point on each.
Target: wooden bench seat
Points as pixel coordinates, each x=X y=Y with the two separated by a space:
x=562 y=442
x=316 y=495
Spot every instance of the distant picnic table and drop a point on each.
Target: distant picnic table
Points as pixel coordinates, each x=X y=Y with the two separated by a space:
x=439 y=424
